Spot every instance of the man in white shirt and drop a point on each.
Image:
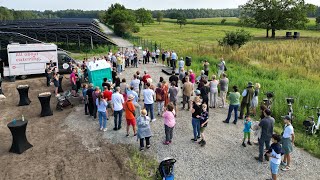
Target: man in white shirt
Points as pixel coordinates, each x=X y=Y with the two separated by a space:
x=287 y=142
x=181 y=64
x=157 y=54
x=144 y=54
x=173 y=59
x=117 y=100
x=148 y=100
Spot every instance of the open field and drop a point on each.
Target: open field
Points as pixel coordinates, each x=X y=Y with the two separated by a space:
x=290 y=68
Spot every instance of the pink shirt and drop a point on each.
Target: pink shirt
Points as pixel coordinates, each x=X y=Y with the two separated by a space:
x=169 y=119
x=192 y=78
x=72 y=76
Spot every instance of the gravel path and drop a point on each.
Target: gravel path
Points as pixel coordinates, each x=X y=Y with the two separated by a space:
x=222 y=158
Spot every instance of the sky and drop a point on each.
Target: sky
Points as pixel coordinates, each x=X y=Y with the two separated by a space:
x=132 y=4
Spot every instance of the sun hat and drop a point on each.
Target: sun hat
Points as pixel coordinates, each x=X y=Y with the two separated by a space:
x=143 y=112
x=130 y=97
x=250 y=84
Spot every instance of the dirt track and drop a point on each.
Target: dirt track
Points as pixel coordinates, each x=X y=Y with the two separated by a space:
x=57 y=152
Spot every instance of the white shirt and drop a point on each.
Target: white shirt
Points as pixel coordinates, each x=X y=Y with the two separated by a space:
x=158 y=52
x=117 y=100
x=288 y=131
x=144 y=53
x=276 y=160
x=148 y=96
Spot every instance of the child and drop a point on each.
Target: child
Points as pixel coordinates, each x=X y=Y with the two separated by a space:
x=275 y=153
x=144 y=131
x=85 y=100
x=246 y=130
x=130 y=115
x=169 y=123
x=203 y=123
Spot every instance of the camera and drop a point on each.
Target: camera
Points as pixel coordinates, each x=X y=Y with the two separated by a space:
x=290 y=100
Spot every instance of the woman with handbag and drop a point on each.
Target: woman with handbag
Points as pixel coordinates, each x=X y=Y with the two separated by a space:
x=130 y=115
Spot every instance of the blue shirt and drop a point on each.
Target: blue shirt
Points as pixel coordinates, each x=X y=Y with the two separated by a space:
x=174 y=56
x=84 y=92
x=102 y=105
x=247 y=126
x=135 y=95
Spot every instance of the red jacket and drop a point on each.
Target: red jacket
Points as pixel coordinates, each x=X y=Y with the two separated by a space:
x=145 y=77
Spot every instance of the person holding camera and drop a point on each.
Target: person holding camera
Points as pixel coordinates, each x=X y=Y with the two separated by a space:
x=206 y=67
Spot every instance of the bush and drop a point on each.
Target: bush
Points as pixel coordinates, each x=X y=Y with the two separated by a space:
x=135 y=29
x=235 y=38
x=223 y=21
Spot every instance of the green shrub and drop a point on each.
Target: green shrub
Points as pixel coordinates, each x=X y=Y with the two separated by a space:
x=223 y=21
x=235 y=38
x=135 y=29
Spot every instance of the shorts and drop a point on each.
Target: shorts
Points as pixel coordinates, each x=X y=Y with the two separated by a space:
x=157 y=56
x=274 y=167
x=131 y=122
x=74 y=87
x=246 y=135
x=109 y=104
x=202 y=129
x=56 y=83
x=286 y=145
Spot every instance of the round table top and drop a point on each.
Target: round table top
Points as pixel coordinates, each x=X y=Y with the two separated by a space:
x=19 y=123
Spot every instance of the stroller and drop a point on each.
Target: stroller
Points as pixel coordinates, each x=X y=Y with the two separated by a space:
x=166 y=169
x=63 y=101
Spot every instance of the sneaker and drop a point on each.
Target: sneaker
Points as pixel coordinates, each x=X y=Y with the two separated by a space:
x=203 y=143
x=101 y=128
x=148 y=146
x=225 y=122
x=105 y=129
x=135 y=134
x=141 y=149
x=287 y=168
x=257 y=158
x=153 y=120
x=127 y=135
x=195 y=140
x=249 y=143
x=234 y=122
x=200 y=142
x=198 y=137
x=244 y=145
x=166 y=142
x=158 y=114
x=283 y=163
x=115 y=129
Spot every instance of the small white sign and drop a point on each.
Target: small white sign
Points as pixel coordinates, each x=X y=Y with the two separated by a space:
x=65 y=66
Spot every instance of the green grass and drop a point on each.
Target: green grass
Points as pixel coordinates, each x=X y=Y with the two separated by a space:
x=290 y=68
x=98 y=51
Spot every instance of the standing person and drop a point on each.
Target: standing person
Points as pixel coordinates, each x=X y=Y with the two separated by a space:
x=144 y=55
x=163 y=56
x=107 y=95
x=181 y=76
x=135 y=60
x=206 y=67
x=174 y=57
x=203 y=123
x=114 y=75
x=221 y=67
x=181 y=64
x=275 y=153
x=145 y=77
x=247 y=96
x=160 y=98
x=224 y=82
x=123 y=88
x=165 y=88
x=169 y=123
x=117 y=100
x=153 y=56
x=187 y=90
x=48 y=73
x=287 y=142
x=157 y=54
x=106 y=83
x=266 y=125
x=144 y=130
x=174 y=78
x=89 y=99
x=214 y=92
x=173 y=94
x=135 y=100
x=168 y=57
x=247 y=130
x=102 y=111
x=148 y=100
x=192 y=77
x=130 y=115
x=148 y=56
x=135 y=83
x=73 y=81
x=205 y=93
x=56 y=83
x=196 y=115
x=234 y=98
x=140 y=85
x=95 y=95
x=255 y=99
x=85 y=100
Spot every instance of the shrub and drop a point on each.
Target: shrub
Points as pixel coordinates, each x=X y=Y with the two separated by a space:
x=235 y=38
x=223 y=21
x=135 y=29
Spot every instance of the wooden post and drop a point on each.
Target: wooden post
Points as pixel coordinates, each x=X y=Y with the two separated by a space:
x=67 y=41
x=45 y=35
x=91 y=42
x=79 y=42
x=56 y=38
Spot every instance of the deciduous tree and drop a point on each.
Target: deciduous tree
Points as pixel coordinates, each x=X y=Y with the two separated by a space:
x=143 y=16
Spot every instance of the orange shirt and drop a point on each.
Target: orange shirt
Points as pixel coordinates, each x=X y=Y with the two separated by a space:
x=129 y=109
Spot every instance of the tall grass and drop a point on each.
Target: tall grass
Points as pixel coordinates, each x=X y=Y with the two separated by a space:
x=290 y=68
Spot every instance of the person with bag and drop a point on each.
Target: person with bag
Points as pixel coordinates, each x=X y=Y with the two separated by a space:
x=130 y=115
x=159 y=98
x=169 y=123
x=102 y=112
x=287 y=142
x=144 y=130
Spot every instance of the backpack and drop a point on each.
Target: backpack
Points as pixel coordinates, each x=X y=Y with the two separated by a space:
x=159 y=97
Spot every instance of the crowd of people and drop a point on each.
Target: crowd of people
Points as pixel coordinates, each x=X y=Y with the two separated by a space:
x=199 y=94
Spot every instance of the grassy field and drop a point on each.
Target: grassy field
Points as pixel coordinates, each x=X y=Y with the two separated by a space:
x=290 y=68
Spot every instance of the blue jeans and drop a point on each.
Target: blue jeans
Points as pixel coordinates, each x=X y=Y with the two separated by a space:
x=196 y=127
x=119 y=68
x=149 y=108
x=231 y=108
x=102 y=119
x=117 y=119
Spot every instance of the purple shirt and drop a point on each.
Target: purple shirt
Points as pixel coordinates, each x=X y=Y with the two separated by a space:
x=72 y=76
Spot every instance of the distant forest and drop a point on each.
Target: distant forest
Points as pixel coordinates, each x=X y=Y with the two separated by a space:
x=10 y=14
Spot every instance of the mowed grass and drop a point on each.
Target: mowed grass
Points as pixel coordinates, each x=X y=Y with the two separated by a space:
x=290 y=68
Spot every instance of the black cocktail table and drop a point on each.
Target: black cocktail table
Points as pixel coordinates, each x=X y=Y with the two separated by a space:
x=60 y=84
x=45 y=105
x=19 y=139
x=24 y=97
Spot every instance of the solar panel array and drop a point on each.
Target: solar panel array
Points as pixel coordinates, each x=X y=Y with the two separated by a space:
x=67 y=30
